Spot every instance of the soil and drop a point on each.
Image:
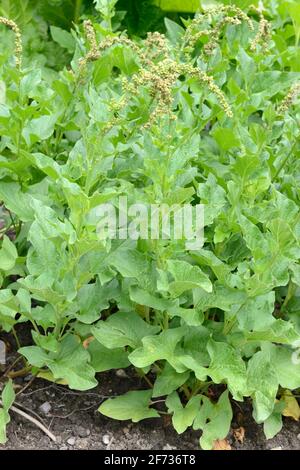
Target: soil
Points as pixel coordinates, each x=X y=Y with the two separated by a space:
x=73 y=418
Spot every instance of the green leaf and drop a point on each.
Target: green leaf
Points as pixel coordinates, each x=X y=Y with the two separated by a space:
x=63 y=38
x=174 y=31
x=104 y=5
x=16 y=201
x=132 y=405
x=24 y=299
x=4 y=421
x=187 y=277
x=226 y=138
x=122 y=329
x=168 y=381
x=213 y=197
x=257 y=313
x=294 y=10
x=44 y=163
x=8 y=254
x=40 y=128
x=130 y=263
x=262 y=383
x=34 y=355
x=143 y=297
x=2 y=92
x=92 y=300
x=214 y=420
x=103 y=359
x=287 y=370
x=29 y=83
x=189 y=6
x=227 y=365
x=273 y=424
x=280 y=331
x=7 y=399
x=73 y=365
x=8 y=395
x=247 y=65
x=157 y=348
x=191 y=316
x=183 y=417
x=47 y=342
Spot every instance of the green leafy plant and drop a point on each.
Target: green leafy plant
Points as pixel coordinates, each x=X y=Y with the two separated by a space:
x=207 y=114
x=7 y=399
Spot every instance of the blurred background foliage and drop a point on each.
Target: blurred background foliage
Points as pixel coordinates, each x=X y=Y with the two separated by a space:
x=46 y=24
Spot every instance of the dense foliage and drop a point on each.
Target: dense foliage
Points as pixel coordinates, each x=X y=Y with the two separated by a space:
x=207 y=113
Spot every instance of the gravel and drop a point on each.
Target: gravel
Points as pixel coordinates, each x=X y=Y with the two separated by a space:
x=45 y=408
x=71 y=441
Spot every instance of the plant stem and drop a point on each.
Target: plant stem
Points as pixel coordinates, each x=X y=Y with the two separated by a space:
x=141 y=373
x=186 y=391
x=19 y=373
x=284 y=162
x=16 y=337
x=77 y=9
x=290 y=293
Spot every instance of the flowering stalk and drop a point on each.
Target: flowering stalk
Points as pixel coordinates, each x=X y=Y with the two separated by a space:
x=158 y=72
x=290 y=98
x=264 y=31
x=18 y=38
x=192 y=34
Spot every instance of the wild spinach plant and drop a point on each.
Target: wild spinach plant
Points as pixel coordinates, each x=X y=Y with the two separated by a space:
x=207 y=114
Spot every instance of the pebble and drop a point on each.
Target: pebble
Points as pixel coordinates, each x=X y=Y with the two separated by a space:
x=28 y=378
x=63 y=448
x=83 y=444
x=168 y=447
x=82 y=432
x=45 y=408
x=106 y=439
x=276 y=448
x=71 y=441
x=121 y=373
x=298 y=436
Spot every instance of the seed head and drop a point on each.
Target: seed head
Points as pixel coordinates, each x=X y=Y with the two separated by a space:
x=290 y=98
x=231 y=15
x=93 y=53
x=158 y=72
x=156 y=46
x=264 y=31
x=18 y=38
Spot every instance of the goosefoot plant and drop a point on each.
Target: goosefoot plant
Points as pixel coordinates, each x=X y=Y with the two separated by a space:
x=181 y=119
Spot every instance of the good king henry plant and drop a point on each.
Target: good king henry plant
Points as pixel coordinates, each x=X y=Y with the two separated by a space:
x=207 y=114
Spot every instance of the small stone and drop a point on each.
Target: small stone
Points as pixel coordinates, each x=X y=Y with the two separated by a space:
x=63 y=448
x=2 y=353
x=168 y=447
x=298 y=436
x=28 y=377
x=82 y=432
x=45 y=408
x=83 y=444
x=121 y=374
x=277 y=448
x=71 y=441
x=126 y=430
x=106 y=439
